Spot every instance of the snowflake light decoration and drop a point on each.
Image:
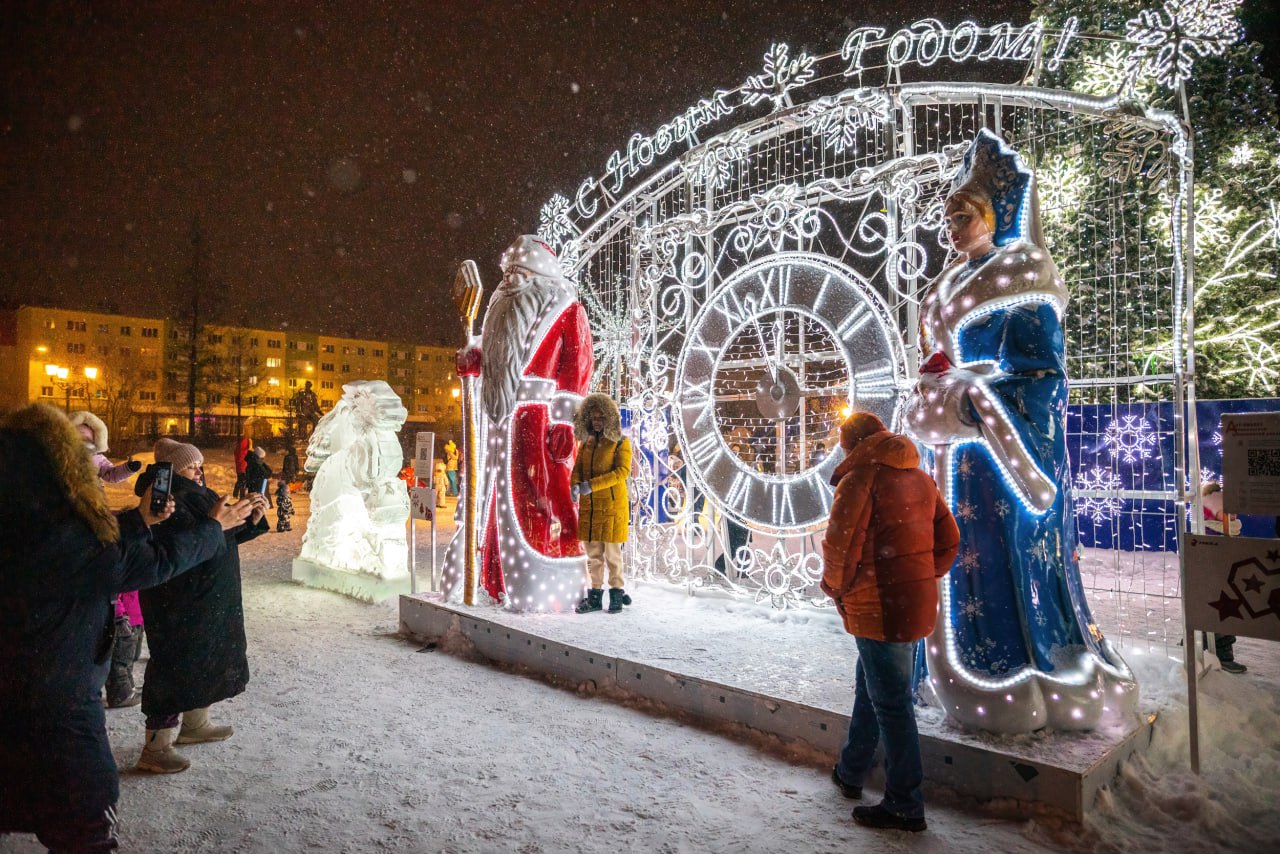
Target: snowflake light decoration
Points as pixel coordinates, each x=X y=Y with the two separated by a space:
x=1063 y=186
x=1130 y=438
x=781 y=75
x=1108 y=73
x=1241 y=155
x=1099 y=508
x=838 y=119
x=1168 y=40
x=555 y=225
x=1213 y=217
x=713 y=164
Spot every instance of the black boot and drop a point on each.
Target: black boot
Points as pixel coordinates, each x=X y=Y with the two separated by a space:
x=120 y=677
x=617 y=598
x=592 y=602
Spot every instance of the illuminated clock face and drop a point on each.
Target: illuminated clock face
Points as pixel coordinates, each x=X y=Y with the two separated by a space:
x=774 y=357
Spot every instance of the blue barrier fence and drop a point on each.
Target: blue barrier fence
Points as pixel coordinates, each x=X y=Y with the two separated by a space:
x=1130 y=447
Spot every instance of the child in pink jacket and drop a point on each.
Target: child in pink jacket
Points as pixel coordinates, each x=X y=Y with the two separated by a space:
x=94 y=433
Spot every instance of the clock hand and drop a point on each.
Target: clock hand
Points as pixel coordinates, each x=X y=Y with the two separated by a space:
x=778 y=344
x=764 y=348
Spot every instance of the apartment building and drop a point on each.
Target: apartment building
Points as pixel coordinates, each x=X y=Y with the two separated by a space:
x=437 y=394
x=134 y=372
x=112 y=364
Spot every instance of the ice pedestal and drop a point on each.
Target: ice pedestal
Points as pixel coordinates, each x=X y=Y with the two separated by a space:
x=358 y=585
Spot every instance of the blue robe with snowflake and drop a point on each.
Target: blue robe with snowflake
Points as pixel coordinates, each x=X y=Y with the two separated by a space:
x=1016 y=594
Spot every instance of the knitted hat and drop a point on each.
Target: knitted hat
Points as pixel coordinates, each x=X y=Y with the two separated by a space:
x=857 y=427
x=178 y=453
x=261 y=452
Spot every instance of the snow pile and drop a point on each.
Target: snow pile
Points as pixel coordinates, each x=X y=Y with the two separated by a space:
x=1159 y=805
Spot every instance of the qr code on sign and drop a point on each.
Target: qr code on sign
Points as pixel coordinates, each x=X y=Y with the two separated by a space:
x=1264 y=462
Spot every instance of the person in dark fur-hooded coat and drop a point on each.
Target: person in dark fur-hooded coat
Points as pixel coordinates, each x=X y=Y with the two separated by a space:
x=599 y=484
x=603 y=465
x=63 y=558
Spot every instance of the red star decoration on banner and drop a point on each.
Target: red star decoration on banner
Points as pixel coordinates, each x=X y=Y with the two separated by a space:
x=1227 y=607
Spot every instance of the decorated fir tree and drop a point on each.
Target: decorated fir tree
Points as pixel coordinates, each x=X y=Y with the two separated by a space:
x=1199 y=63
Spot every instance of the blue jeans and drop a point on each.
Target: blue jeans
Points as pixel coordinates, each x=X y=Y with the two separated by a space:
x=883 y=710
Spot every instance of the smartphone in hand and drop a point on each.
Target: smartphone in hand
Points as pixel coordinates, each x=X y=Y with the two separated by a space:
x=161 y=487
x=262 y=490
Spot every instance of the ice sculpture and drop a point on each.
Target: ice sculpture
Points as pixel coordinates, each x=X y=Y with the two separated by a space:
x=355 y=539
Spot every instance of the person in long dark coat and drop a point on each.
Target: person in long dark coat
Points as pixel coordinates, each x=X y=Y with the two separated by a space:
x=258 y=473
x=63 y=558
x=195 y=625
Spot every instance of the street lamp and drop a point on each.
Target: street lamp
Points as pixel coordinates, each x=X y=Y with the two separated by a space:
x=61 y=377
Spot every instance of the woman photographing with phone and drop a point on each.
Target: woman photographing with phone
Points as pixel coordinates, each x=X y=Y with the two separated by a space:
x=195 y=623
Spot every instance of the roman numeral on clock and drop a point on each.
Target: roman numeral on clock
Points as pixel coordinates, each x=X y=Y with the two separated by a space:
x=705 y=448
x=736 y=497
x=853 y=322
x=777 y=287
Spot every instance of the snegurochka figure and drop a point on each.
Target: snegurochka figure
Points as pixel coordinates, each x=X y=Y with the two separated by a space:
x=1015 y=648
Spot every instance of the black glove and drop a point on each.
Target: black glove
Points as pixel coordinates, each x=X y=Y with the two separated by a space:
x=135 y=466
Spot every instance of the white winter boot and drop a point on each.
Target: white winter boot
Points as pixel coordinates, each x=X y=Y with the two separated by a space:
x=158 y=756
x=196 y=728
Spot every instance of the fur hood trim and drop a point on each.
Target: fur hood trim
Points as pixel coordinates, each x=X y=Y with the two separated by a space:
x=582 y=418
x=53 y=432
x=95 y=424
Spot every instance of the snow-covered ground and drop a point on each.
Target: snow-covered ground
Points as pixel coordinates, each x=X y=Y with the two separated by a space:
x=351 y=738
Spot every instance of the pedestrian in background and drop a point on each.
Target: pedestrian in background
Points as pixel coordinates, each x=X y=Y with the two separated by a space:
x=889 y=540
x=243 y=447
x=289 y=465
x=451 y=461
x=258 y=473
x=284 y=507
x=440 y=482
x=1218 y=521
x=94 y=433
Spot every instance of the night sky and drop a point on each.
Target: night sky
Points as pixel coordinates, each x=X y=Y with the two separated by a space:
x=341 y=158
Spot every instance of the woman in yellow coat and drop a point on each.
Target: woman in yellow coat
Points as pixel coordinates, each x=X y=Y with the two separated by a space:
x=599 y=484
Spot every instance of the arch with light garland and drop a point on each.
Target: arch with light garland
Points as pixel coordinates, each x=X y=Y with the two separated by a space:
x=845 y=157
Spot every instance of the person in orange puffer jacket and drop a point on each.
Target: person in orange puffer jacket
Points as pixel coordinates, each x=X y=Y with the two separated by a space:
x=890 y=538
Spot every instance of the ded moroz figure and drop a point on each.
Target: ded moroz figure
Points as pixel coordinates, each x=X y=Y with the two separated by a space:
x=1015 y=648
x=534 y=361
